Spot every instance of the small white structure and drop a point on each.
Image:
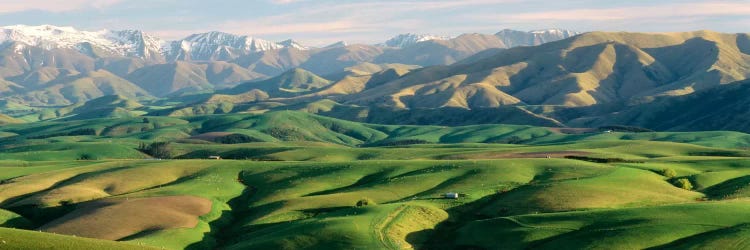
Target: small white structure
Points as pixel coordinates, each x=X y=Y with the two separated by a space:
x=450 y=195
x=214 y=157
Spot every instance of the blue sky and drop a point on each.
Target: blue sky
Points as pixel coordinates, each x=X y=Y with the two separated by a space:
x=319 y=22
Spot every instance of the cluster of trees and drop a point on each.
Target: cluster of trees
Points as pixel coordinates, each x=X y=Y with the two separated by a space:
x=236 y=138
x=161 y=150
x=683 y=183
x=286 y=134
x=365 y=202
x=86 y=157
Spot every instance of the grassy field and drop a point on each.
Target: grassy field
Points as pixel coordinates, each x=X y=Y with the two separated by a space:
x=331 y=184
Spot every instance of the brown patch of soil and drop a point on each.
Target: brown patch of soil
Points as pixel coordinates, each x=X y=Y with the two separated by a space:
x=114 y=219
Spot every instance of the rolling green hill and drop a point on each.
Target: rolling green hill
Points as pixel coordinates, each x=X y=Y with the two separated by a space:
x=291 y=133
x=314 y=204
x=292 y=179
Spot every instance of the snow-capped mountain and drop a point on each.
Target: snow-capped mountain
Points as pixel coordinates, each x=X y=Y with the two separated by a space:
x=95 y=43
x=515 y=38
x=217 y=45
x=404 y=40
x=135 y=43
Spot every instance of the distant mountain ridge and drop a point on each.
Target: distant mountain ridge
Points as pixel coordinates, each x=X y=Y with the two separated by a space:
x=214 y=45
x=134 y=43
x=408 y=39
x=515 y=38
x=659 y=81
x=33 y=57
x=510 y=38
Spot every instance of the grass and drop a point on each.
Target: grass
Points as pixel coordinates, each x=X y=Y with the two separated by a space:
x=118 y=138
x=22 y=239
x=630 y=228
x=308 y=204
x=299 y=188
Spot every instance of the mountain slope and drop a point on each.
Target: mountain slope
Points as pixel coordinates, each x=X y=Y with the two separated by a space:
x=440 y=52
x=291 y=82
x=585 y=70
x=719 y=108
x=165 y=79
x=330 y=60
x=81 y=88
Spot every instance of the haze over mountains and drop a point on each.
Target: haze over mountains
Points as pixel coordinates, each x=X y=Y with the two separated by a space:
x=548 y=77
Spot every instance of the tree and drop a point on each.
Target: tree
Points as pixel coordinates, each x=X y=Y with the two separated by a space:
x=86 y=157
x=236 y=138
x=668 y=172
x=365 y=202
x=683 y=183
x=161 y=150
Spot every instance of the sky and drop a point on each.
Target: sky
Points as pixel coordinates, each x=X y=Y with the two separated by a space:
x=321 y=22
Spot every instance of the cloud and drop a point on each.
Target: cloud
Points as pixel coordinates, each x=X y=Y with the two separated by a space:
x=663 y=11
x=285 y=1
x=325 y=21
x=8 y=6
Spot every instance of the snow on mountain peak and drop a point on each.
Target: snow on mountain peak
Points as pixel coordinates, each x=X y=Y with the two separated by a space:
x=338 y=44
x=513 y=38
x=562 y=32
x=135 y=43
x=404 y=40
x=120 y=43
x=289 y=43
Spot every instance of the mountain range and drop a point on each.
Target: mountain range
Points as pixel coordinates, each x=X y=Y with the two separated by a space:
x=45 y=59
x=656 y=80
x=555 y=78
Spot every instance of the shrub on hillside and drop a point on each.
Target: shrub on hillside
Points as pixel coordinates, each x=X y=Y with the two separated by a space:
x=683 y=183
x=365 y=202
x=236 y=138
x=286 y=134
x=160 y=150
x=668 y=172
x=86 y=157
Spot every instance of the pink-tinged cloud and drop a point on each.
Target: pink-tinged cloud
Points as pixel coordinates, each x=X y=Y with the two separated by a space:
x=264 y=28
x=8 y=6
x=285 y=1
x=640 y=12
